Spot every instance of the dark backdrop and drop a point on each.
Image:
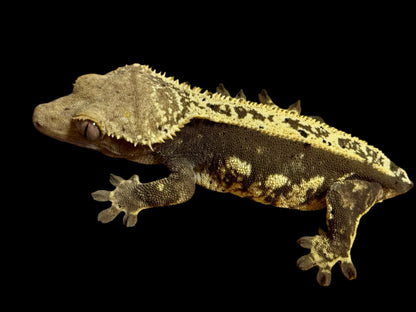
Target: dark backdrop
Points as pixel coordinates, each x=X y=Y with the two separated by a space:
x=351 y=66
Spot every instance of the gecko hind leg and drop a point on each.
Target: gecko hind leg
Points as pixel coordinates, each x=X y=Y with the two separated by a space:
x=347 y=202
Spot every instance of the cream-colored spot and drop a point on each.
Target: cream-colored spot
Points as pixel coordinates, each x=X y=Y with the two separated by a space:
x=298 y=193
x=358 y=187
x=259 y=150
x=240 y=166
x=299 y=190
x=255 y=189
x=206 y=180
x=160 y=187
x=275 y=181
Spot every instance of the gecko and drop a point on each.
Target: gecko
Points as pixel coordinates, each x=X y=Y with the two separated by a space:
x=255 y=150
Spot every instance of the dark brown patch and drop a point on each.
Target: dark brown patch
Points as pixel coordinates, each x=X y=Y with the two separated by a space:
x=256 y=115
x=343 y=142
x=321 y=132
x=217 y=108
x=302 y=128
x=241 y=112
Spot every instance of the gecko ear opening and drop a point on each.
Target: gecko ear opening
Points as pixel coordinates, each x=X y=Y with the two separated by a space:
x=88 y=129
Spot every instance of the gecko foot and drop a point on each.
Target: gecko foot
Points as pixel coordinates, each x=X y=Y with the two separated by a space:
x=325 y=252
x=121 y=199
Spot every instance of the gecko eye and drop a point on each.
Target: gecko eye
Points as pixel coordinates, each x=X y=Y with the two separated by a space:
x=89 y=130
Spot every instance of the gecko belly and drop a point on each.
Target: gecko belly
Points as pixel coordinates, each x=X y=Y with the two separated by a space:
x=276 y=189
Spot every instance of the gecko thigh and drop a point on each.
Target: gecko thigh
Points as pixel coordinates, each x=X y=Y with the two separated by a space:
x=347 y=202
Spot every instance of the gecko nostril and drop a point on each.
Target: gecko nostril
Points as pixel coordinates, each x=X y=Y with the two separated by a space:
x=37 y=124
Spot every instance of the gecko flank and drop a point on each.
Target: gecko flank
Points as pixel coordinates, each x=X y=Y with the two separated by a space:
x=227 y=144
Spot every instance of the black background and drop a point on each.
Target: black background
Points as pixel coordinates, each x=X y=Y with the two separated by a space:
x=350 y=65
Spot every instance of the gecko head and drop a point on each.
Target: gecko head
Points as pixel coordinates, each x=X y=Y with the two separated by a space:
x=55 y=119
x=60 y=120
x=95 y=115
x=132 y=103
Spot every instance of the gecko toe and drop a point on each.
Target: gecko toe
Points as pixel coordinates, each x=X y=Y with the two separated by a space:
x=115 y=180
x=305 y=262
x=348 y=269
x=324 y=277
x=108 y=215
x=101 y=195
x=324 y=274
x=129 y=219
x=305 y=242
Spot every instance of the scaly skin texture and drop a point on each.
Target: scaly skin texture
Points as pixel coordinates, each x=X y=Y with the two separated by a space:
x=254 y=150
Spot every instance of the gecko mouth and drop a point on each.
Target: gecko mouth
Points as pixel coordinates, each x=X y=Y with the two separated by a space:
x=49 y=124
x=61 y=129
x=39 y=127
x=39 y=121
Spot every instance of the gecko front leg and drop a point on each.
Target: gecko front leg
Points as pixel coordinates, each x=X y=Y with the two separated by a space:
x=131 y=196
x=347 y=202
